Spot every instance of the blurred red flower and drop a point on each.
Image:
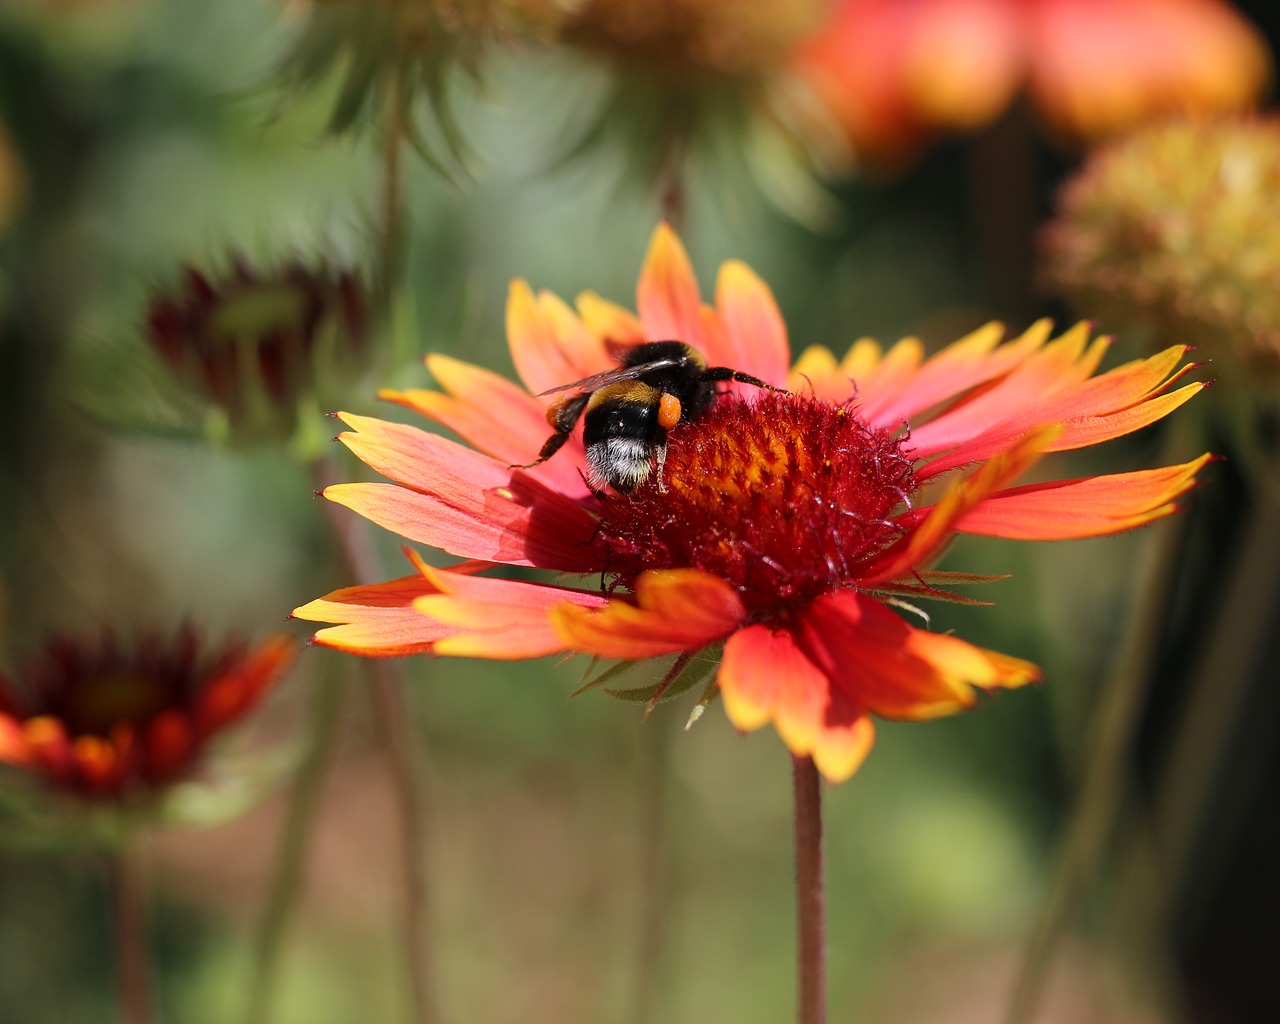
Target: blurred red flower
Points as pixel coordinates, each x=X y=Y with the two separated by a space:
x=108 y=721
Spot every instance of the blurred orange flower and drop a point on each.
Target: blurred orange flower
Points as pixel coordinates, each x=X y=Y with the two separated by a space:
x=104 y=721
x=896 y=72
x=783 y=526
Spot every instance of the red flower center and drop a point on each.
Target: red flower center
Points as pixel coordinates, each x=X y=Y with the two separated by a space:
x=785 y=498
x=97 y=703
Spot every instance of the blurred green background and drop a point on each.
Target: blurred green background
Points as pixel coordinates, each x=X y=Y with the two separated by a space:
x=150 y=135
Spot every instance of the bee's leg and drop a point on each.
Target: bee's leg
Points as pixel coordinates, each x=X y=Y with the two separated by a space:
x=660 y=453
x=562 y=416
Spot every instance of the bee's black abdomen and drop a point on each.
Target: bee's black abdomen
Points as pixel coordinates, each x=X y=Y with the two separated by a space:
x=620 y=433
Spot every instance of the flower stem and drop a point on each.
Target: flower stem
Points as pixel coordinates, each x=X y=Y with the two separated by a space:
x=1238 y=639
x=392 y=191
x=394 y=715
x=1104 y=783
x=395 y=718
x=673 y=189
x=286 y=883
x=653 y=873
x=133 y=984
x=1100 y=796
x=810 y=895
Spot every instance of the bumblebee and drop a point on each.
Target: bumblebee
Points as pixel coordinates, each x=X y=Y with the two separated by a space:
x=627 y=411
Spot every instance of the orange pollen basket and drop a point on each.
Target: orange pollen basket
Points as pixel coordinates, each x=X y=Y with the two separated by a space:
x=785 y=498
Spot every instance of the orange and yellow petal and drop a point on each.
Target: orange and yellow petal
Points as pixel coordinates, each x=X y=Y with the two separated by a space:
x=549 y=344
x=935 y=526
x=975 y=359
x=667 y=296
x=495 y=416
x=463 y=502
x=608 y=321
x=887 y=376
x=375 y=620
x=1017 y=400
x=817 y=373
x=498 y=619
x=1081 y=431
x=765 y=677
x=378 y=619
x=1054 y=386
x=674 y=610
x=754 y=332
x=1086 y=507
x=896 y=670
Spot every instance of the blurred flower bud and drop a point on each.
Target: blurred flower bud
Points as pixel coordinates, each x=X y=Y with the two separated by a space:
x=691 y=40
x=1174 y=232
x=393 y=50
x=255 y=344
x=690 y=82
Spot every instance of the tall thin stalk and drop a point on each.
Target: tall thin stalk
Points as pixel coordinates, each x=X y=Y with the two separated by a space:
x=395 y=718
x=290 y=868
x=392 y=226
x=811 y=911
x=1105 y=780
x=128 y=897
x=653 y=875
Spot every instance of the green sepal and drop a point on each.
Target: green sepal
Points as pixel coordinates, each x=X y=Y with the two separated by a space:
x=693 y=673
x=612 y=672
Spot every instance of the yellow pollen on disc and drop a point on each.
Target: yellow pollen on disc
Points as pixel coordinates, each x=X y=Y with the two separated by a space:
x=759 y=459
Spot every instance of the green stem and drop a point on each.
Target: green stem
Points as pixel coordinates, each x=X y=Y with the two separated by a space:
x=811 y=987
x=133 y=983
x=654 y=867
x=1240 y=634
x=392 y=191
x=287 y=881
x=395 y=718
x=1104 y=783
x=1105 y=778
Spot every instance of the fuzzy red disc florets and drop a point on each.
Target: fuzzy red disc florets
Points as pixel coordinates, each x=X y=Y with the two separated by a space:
x=785 y=498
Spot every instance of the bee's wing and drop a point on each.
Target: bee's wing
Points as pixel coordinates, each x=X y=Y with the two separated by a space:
x=614 y=376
